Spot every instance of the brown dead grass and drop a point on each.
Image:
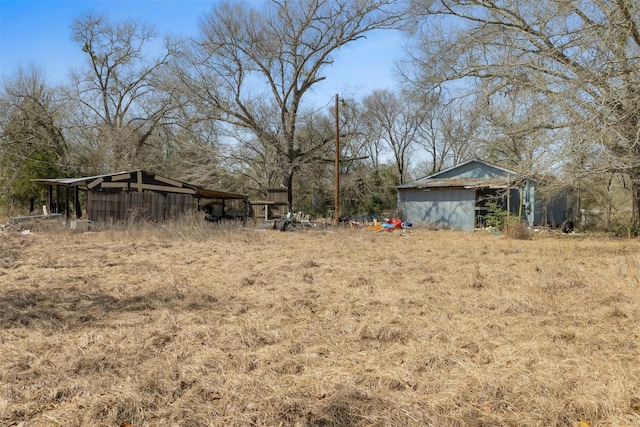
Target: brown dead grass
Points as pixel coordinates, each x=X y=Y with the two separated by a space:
x=196 y=326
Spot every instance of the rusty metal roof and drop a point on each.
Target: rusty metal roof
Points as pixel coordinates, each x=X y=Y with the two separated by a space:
x=467 y=183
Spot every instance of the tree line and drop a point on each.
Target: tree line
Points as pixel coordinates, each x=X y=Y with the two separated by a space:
x=547 y=88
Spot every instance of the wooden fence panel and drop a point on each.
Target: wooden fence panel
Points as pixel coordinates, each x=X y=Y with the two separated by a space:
x=137 y=206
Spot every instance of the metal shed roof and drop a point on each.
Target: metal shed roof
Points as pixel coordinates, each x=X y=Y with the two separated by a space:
x=467 y=183
x=504 y=170
x=472 y=174
x=86 y=181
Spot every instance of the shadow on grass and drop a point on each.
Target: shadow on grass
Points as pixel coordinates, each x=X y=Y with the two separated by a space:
x=61 y=308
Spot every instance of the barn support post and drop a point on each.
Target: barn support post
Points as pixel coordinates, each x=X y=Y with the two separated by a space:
x=57 y=210
x=508 y=196
x=76 y=203
x=50 y=198
x=66 y=205
x=520 y=191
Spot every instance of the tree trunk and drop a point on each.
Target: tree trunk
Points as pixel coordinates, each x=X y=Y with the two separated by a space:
x=287 y=181
x=635 y=191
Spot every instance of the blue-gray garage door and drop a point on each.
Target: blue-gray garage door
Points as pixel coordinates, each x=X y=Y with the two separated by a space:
x=445 y=208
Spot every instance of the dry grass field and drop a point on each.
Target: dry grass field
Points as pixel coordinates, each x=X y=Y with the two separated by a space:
x=196 y=326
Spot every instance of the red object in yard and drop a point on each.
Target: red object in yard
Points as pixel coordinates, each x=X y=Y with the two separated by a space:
x=391 y=224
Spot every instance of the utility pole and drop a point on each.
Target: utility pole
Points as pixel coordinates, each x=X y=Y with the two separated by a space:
x=336 y=214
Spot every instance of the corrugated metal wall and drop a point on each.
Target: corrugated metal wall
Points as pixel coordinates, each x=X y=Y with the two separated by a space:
x=451 y=208
x=551 y=211
x=146 y=205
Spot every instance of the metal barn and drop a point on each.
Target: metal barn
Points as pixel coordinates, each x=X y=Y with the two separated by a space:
x=135 y=194
x=458 y=197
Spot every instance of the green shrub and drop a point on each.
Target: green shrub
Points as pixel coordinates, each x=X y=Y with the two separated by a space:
x=496 y=216
x=511 y=226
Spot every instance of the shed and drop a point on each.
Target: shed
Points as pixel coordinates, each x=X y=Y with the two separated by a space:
x=458 y=197
x=274 y=207
x=135 y=194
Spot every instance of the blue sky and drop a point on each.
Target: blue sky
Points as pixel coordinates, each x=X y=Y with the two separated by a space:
x=39 y=32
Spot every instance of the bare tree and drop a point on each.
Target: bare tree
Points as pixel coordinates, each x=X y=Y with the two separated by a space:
x=518 y=132
x=448 y=132
x=252 y=66
x=369 y=142
x=120 y=94
x=32 y=143
x=581 y=57
x=396 y=120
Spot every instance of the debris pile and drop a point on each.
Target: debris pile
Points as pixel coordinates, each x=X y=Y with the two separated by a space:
x=13 y=228
x=391 y=224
